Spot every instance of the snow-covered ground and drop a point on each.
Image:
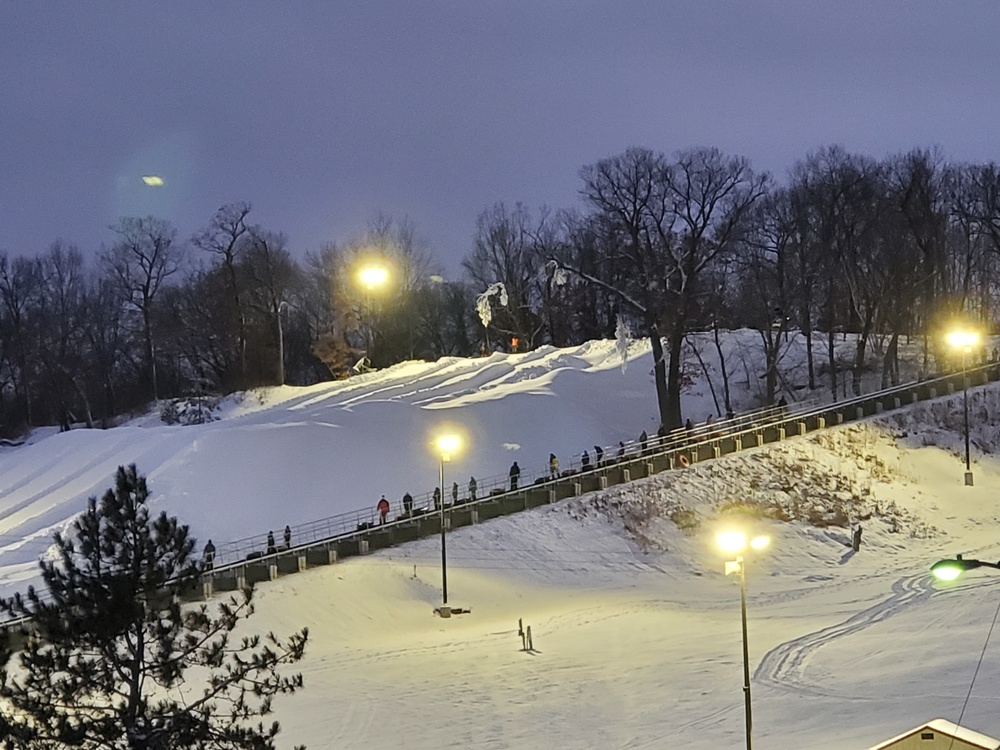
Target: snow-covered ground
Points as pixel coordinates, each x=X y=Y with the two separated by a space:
x=636 y=628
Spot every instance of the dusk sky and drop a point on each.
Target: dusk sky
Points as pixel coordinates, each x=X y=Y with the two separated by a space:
x=322 y=114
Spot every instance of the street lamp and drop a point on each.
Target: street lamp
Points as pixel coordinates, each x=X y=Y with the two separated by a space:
x=965 y=340
x=372 y=276
x=949 y=570
x=735 y=542
x=281 y=345
x=447 y=445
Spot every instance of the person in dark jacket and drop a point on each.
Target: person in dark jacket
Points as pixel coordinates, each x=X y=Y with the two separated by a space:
x=585 y=461
x=209 y=555
x=621 y=449
x=472 y=489
x=515 y=475
x=454 y=493
x=598 y=454
x=288 y=536
x=437 y=498
x=643 y=438
x=271 y=549
x=407 y=503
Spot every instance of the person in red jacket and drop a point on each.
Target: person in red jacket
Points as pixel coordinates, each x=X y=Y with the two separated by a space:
x=383 y=509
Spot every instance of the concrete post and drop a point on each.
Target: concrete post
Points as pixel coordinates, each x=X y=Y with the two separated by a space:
x=820 y=423
x=363 y=545
x=878 y=407
x=603 y=481
x=552 y=495
x=896 y=402
x=802 y=428
x=626 y=475
x=859 y=413
x=474 y=513
x=577 y=490
x=781 y=433
x=206 y=588
x=301 y=562
x=738 y=440
x=272 y=571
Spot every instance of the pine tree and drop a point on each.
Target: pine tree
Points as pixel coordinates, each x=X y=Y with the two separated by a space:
x=111 y=658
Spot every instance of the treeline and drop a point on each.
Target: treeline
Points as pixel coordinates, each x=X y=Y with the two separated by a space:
x=661 y=247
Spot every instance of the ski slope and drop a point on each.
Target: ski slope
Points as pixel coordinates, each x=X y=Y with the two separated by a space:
x=636 y=629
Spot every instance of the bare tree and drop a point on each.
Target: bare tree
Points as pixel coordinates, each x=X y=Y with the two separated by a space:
x=141 y=260
x=764 y=265
x=505 y=252
x=62 y=342
x=270 y=275
x=225 y=237
x=20 y=281
x=672 y=221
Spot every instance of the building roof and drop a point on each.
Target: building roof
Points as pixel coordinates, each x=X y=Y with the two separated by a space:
x=943 y=726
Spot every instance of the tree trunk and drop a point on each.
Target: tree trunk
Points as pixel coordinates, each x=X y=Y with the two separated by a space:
x=808 y=332
x=890 y=362
x=673 y=413
x=659 y=374
x=722 y=366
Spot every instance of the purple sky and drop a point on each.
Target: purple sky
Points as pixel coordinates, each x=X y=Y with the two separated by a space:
x=324 y=113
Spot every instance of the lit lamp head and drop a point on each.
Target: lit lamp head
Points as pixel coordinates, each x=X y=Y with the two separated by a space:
x=949 y=570
x=735 y=542
x=962 y=340
x=373 y=276
x=447 y=445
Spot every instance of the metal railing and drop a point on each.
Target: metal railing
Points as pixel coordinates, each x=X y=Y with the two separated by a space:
x=351 y=523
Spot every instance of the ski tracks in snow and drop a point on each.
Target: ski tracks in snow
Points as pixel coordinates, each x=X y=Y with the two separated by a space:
x=784 y=667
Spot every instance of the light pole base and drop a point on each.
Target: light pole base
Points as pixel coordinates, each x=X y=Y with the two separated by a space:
x=968 y=479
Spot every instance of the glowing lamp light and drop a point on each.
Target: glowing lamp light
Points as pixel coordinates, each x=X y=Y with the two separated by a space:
x=152 y=180
x=732 y=541
x=760 y=542
x=962 y=339
x=947 y=570
x=735 y=542
x=373 y=276
x=446 y=445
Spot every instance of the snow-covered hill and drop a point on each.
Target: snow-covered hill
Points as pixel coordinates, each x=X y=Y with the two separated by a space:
x=636 y=628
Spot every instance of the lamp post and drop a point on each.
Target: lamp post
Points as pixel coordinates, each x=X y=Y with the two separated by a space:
x=965 y=340
x=446 y=446
x=372 y=276
x=281 y=345
x=735 y=542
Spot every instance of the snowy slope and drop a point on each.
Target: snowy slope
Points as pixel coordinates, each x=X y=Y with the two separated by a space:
x=636 y=628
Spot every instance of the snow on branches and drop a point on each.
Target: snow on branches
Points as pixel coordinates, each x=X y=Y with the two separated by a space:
x=483 y=306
